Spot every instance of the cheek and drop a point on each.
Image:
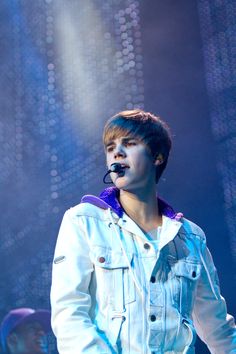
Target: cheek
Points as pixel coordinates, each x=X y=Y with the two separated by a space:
x=108 y=160
x=23 y=343
x=143 y=163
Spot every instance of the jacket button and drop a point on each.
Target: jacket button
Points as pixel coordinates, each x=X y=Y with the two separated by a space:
x=194 y=274
x=146 y=246
x=101 y=259
x=153 y=318
x=153 y=279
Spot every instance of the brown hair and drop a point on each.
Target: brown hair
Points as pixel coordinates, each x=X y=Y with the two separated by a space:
x=146 y=127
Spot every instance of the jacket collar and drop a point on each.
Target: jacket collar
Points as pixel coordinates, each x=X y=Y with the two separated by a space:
x=109 y=198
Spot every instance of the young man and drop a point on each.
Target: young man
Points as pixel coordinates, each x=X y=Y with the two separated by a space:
x=130 y=275
x=23 y=331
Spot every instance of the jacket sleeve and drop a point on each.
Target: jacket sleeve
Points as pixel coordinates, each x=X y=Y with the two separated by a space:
x=70 y=296
x=214 y=326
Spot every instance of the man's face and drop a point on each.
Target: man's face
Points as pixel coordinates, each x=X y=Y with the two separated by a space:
x=139 y=169
x=30 y=338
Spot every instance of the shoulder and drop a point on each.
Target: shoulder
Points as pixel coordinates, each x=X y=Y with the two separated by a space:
x=191 y=229
x=86 y=210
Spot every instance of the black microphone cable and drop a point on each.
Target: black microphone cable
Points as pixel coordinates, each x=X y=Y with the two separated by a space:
x=115 y=167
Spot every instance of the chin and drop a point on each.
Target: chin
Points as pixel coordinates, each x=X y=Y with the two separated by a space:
x=122 y=183
x=41 y=349
x=125 y=186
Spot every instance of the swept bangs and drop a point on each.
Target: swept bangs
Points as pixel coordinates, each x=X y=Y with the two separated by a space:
x=143 y=126
x=118 y=127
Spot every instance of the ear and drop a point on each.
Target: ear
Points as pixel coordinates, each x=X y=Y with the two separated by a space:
x=12 y=340
x=159 y=159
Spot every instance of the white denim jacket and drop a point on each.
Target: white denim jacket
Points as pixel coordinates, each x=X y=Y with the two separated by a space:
x=113 y=291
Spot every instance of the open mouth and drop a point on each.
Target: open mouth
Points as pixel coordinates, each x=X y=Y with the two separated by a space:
x=41 y=342
x=117 y=167
x=124 y=165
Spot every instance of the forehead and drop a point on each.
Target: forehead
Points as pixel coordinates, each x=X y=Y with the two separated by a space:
x=119 y=133
x=120 y=126
x=25 y=326
x=120 y=139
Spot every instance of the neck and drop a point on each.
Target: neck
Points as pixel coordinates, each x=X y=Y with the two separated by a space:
x=142 y=208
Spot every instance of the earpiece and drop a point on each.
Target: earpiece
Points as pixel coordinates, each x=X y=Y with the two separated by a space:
x=159 y=160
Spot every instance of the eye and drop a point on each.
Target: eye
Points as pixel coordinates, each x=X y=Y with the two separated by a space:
x=131 y=143
x=110 y=148
x=30 y=328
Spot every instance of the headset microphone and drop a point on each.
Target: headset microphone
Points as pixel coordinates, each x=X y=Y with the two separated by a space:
x=115 y=167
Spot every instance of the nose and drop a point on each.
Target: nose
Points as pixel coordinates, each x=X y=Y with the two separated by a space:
x=119 y=152
x=39 y=330
x=40 y=333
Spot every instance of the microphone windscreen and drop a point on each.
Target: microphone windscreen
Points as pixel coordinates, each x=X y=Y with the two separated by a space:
x=116 y=167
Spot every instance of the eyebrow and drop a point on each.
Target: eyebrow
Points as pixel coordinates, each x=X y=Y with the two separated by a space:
x=123 y=140
x=109 y=144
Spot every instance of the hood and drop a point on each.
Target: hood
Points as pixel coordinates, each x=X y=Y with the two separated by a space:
x=109 y=198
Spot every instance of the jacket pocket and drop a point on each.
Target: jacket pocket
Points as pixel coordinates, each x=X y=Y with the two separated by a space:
x=186 y=337
x=186 y=275
x=188 y=269
x=191 y=337
x=114 y=283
